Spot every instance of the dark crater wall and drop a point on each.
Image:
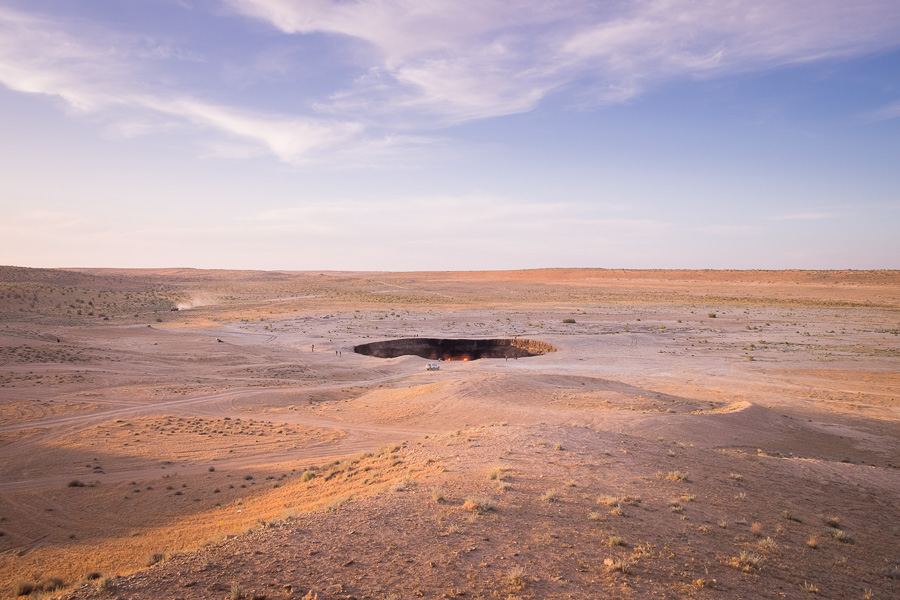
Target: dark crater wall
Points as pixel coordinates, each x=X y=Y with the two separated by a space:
x=455 y=349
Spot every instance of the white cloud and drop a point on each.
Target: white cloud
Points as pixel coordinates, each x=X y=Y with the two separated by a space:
x=427 y=64
x=40 y=57
x=458 y=61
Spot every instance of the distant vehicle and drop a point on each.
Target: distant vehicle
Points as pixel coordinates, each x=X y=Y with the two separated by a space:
x=433 y=367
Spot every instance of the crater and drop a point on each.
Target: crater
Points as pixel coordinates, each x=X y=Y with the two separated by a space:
x=455 y=349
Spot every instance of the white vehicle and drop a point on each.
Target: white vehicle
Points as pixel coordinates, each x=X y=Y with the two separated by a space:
x=433 y=367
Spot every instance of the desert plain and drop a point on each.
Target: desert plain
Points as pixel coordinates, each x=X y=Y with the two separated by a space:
x=693 y=434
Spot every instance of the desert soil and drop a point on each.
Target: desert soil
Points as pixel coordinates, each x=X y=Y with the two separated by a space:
x=701 y=434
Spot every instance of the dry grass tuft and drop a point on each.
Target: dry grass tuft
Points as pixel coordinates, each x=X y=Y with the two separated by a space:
x=767 y=544
x=154 y=558
x=838 y=534
x=809 y=588
x=22 y=588
x=677 y=476
x=515 y=578
x=623 y=565
x=747 y=561
x=478 y=504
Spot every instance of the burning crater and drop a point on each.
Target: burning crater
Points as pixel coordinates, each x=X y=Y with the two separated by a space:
x=455 y=349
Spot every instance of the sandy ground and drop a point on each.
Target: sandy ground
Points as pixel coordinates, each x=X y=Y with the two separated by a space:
x=136 y=433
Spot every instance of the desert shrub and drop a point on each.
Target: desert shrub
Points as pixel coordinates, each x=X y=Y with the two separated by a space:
x=549 y=496
x=624 y=565
x=767 y=543
x=568 y=320
x=677 y=476
x=515 y=577
x=154 y=558
x=50 y=584
x=307 y=475
x=478 y=504
x=76 y=483
x=22 y=588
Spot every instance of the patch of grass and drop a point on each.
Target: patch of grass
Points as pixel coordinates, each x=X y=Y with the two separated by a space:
x=833 y=521
x=677 y=476
x=478 y=504
x=813 y=542
x=154 y=558
x=756 y=528
x=236 y=593
x=809 y=588
x=594 y=516
x=789 y=517
x=838 y=534
x=615 y=540
x=767 y=543
x=747 y=561
x=623 y=565
x=307 y=475
x=737 y=476
x=549 y=496
x=105 y=584
x=568 y=320
x=22 y=588
x=50 y=584
x=437 y=495
x=498 y=474
x=515 y=578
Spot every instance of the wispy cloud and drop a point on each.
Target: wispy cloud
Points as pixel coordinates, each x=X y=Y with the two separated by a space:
x=726 y=229
x=103 y=77
x=883 y=113
x=806 y=216
x=426 y=65
x=474 y=59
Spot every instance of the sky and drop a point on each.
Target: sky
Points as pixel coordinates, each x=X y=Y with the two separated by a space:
x=458 y=135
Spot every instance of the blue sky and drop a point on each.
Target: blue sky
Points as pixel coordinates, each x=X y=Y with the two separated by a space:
x=476 y=134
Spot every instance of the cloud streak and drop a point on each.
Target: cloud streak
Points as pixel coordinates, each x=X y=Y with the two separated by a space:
x=460 y=61
x=806 y=216
x=425 y=65
x=38 y=56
